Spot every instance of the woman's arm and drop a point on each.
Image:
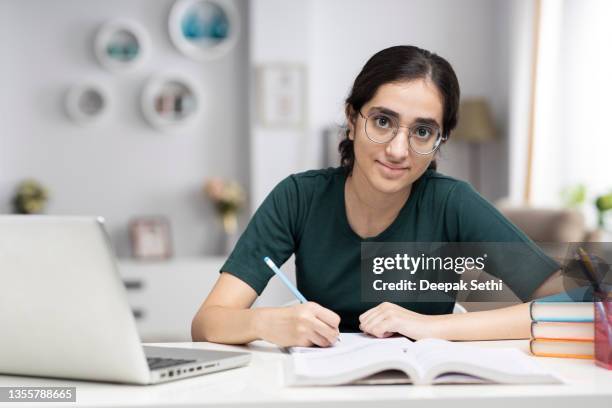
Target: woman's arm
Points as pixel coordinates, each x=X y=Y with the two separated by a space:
x=511 y=322
x=226 y=317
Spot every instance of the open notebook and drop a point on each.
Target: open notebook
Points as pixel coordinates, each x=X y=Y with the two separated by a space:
x=359 y=358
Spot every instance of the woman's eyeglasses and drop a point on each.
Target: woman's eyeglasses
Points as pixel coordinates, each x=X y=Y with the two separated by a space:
x=422 y=138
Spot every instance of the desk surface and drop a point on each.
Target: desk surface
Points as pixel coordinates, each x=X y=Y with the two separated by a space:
x=261 y=384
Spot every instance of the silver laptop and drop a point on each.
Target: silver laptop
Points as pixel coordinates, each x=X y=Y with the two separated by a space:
x=64 y=310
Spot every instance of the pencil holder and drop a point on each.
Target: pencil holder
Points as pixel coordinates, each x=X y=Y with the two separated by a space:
x=603 y=329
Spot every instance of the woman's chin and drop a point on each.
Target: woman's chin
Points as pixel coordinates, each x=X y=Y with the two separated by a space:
x=390 y=186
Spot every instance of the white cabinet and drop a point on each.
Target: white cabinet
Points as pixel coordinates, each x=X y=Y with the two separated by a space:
x=165 y=295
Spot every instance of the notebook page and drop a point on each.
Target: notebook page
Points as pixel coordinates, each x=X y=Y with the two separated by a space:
x=336 y=361
x=352 y=341
x=434 y=352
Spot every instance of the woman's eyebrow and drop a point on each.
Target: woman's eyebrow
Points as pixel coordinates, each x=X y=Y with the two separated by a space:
x=384 y=110
x=389 y=112
x=427 y=121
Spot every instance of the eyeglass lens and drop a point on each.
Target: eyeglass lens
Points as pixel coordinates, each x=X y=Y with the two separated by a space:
x=381 y=128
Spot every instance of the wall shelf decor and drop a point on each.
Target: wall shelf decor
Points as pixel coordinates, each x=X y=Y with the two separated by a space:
x=121 y=45
x=87 y=103
x=281 y=95
x=204 y=29
x=170 y=101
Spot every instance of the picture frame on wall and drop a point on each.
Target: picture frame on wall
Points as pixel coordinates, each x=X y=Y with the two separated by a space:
x=150 y=238
x=170 y=100
x=204 y=29
x=282 y=95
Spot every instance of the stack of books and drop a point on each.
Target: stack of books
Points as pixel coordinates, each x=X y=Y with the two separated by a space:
x=562 y=325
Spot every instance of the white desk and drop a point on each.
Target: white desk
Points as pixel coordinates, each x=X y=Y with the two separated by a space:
x=261 y=385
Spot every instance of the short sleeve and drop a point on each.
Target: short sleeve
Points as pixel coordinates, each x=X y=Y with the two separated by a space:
x=471 y=218
x=271 y=232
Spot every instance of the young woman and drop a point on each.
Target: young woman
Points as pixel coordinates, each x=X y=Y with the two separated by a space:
x=402 y=108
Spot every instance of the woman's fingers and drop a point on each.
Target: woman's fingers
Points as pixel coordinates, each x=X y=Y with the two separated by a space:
x=375 y=310
x=382 y=325
x=383 y=328
x=323 y=329
x=365 y=315
x=372 y=321
x=330 y=318
x=319 y=340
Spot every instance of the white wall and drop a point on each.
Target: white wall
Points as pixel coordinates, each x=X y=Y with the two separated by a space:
x=334 y=39
x=124 y=167
x=573 y=144
x=586 y=62
x=6 y=71
x=280 y=33
x=520 y=14
x=470 y=34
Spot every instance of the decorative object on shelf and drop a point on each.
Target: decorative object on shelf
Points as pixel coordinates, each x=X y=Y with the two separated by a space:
x=150 y=238
x=228 y=198
x=30 y=197
x=121 y=45
x=281 y=95
x=475 y=127
x=87 y=103
x=170 y=101
x=204 y=29
x=603 y=204
x=574 y=196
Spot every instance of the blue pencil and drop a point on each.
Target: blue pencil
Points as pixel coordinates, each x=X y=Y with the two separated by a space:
x=286 y=281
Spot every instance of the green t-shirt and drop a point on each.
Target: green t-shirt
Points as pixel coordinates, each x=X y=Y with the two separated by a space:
x=305 y=214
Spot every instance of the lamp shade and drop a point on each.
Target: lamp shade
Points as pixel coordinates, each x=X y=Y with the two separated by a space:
x=475 y=122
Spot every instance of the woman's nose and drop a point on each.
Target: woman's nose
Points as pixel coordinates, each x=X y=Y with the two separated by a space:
x=398 y=147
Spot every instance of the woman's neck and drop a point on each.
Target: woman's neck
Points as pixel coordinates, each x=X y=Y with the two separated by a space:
x=370 y=211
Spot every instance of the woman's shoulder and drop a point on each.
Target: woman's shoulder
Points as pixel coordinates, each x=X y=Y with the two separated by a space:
x=434 y=182
x=307 y=185
x=315 y=180
x=453 y=194
x=319 y=175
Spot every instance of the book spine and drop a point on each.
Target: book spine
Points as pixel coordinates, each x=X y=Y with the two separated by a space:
x=562 y=320
x=558 y=355
x=582 y=356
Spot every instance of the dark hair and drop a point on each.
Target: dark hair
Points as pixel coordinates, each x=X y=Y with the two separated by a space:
x=395 y=64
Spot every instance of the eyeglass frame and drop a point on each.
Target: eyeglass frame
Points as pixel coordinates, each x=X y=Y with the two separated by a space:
x=440 y=138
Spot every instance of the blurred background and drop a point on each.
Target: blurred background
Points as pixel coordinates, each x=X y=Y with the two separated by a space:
x=174 y=119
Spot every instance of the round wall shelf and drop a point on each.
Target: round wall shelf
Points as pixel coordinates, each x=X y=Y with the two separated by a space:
x=204 y=29
x=121 y=45
x=170 y=101
x=87 y=103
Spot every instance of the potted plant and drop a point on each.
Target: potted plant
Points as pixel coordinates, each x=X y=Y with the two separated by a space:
x=603 y=204
x=30 y=197
x=228 y=198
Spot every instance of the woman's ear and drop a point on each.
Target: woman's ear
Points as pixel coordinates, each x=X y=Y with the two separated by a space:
x=445 y=137
x=350 y=121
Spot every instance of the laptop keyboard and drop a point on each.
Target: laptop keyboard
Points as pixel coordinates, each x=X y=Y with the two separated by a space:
x=157 y=362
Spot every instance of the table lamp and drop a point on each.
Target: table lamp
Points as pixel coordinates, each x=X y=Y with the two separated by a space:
x=475 y=127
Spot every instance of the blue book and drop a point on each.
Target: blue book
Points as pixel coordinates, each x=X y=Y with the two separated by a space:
x=575 y=305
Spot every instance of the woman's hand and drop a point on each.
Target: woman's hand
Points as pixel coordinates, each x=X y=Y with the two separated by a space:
x=387 y=318
x=299 y=325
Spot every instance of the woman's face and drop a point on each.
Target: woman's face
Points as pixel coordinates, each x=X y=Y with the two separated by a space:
x=393 y=166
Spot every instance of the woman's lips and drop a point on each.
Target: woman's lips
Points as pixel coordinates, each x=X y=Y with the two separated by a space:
x=391 y=171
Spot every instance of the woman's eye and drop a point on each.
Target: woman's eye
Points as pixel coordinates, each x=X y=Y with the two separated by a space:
x=382 y=122
x=423 y=132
